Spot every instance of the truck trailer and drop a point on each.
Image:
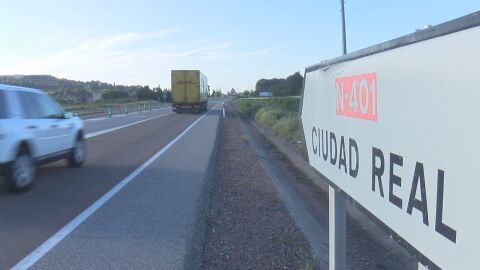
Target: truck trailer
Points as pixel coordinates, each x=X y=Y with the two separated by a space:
x=189 y=91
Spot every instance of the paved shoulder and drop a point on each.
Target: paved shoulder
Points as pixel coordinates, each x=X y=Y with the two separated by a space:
x=152 y=222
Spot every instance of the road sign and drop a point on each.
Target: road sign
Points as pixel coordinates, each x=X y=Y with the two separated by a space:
x=395 y=127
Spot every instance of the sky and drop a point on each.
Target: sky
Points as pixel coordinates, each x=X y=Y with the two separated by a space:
x=234 y=43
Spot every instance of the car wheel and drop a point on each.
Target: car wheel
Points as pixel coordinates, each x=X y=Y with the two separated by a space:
x=21 y=173
x=78 y=154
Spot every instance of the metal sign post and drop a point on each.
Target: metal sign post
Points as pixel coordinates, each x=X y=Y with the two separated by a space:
x=336 y=205
x=336 y=230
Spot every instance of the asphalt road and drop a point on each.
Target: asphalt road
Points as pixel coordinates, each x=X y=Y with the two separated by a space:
x=116 y=147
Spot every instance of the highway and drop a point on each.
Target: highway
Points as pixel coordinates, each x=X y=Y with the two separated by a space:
x=158 y=163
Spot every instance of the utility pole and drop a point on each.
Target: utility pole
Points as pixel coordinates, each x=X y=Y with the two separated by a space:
x=344 y=34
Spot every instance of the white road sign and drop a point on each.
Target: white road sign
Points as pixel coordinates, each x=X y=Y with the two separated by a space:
x=397 y=131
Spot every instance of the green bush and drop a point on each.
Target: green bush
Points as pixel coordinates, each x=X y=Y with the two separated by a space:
x=250 y=106
x=279 y=114
x=288 y=127
x=268 y=116
x=247 y=107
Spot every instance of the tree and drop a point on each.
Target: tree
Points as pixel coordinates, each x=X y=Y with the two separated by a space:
x=145 y=93
x=113 y=94
x=290 y=86
x=216 y=93
x=246 y=93
x=168 y=95
x=158 y=93
x=296 y=83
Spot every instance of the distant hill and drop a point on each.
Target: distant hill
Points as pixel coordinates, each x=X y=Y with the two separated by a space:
x=51 y=84
x=64 y=90
x=44 y=82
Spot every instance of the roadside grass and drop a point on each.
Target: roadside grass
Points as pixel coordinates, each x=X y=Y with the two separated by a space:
x=279 y=114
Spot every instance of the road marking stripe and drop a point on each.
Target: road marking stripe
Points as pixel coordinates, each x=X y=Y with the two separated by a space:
x=117 y=116
x=97 y=133
x=120 y=115
x=51 y=242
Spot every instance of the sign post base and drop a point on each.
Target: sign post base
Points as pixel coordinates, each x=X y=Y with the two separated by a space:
x=337 y=230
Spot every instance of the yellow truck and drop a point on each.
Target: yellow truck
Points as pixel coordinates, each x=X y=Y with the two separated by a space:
x=189 y=91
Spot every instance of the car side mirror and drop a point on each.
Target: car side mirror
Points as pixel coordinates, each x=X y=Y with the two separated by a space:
x=68 y=115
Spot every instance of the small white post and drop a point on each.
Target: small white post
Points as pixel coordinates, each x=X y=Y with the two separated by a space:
x=336 y=230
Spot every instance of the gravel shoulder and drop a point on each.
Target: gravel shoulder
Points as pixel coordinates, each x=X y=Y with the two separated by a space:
x=251 y=224
x=368 y=245
x=248 y=225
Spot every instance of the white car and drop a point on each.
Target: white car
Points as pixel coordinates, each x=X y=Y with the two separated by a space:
x=35 y=130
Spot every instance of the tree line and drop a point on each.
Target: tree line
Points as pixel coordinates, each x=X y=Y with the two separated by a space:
x=70 y=91
x=291 y=86
x=143 y=93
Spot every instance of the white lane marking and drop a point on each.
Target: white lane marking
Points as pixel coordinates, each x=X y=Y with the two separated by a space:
x=93 y=119
x=97 y=133
x=51 y=242
x=118 y=115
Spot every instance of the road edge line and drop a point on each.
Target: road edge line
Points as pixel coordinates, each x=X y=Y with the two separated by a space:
x=51 y=242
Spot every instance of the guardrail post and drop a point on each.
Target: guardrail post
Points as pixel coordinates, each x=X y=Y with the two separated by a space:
x=336 y=230
x=223 y=108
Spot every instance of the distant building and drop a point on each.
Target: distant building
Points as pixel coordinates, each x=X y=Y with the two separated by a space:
x=232 y=92
x=265 y=94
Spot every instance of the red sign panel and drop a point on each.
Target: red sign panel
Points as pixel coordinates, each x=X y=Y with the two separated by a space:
x=356 y=96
